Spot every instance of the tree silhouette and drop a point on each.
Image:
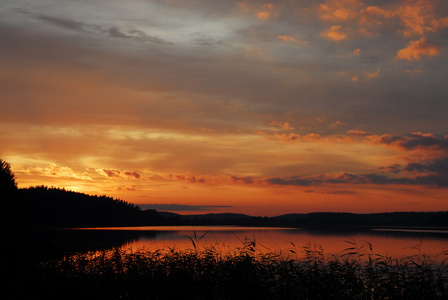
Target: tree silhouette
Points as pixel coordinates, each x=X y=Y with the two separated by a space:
x=7 y=178
x=8 y=193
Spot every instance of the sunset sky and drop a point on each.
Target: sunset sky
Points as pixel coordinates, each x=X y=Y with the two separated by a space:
x=255 y=107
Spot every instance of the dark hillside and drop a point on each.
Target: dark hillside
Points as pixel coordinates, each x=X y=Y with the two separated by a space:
x=54 y=207
x=334 y=220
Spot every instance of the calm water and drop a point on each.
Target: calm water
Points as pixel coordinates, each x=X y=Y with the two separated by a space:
x=395 y=243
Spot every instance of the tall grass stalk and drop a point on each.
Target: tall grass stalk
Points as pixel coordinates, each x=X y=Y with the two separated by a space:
x=246 y=272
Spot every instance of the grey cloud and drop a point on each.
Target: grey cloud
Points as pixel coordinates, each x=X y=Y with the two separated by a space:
x=394 y=169
x=246 y=180
x=344 y=192
x=438 y=167
x=135 y=34
x=437 y=179
x=290 y=181
x=286 y=81
x=440 y=179
x=116 y=33
x=413 y=141
x=334 y=192
x=426 y=141
x=202 y=39
x=113 y=31
x=64 y=23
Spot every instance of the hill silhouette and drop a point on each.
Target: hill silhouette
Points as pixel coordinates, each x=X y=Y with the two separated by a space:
x=43 y=206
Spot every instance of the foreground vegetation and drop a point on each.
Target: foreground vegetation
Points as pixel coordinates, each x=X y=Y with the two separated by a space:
x=241 y=273
x=33 y=268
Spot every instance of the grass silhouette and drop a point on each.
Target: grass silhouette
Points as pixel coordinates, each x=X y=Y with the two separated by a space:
x=246 y=272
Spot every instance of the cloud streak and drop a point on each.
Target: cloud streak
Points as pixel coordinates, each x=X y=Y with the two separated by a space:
x=181 y=207
x=230 y=103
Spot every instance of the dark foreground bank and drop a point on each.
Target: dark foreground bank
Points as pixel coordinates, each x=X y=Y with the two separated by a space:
x=243 y=273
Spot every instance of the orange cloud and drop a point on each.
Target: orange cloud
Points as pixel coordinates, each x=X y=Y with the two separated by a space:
x=372 y=75
x=357 y=52
x=377 y=11
x=336 y=124
x=266 y=13
x=263 y=15
x=242 y=6
x=414 y=18
x=415 y=71
x=282 y=125
x=334 y=33
x=357 y=132
x=339 y=10
x=290 y=39
x=419 y=17
x=373 y=16
x=416 y=49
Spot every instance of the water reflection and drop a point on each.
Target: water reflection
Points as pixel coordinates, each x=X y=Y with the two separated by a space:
x=387 y=242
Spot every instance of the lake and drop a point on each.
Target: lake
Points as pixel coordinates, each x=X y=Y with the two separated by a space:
x=395 y=242
x=83 y=263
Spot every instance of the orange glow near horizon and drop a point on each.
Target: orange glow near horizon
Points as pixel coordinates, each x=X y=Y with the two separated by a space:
x=256 y=199
x=215 y=106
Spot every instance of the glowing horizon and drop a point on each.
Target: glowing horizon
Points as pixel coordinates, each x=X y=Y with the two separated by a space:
x=254 y=107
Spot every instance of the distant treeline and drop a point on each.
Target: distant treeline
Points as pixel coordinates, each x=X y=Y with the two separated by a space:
x=326 y=220
x=411 y=219
x=55 y=207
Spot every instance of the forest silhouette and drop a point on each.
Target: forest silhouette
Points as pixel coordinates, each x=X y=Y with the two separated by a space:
x=42 y=206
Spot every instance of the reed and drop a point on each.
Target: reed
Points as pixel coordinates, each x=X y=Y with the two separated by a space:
x=246 y=272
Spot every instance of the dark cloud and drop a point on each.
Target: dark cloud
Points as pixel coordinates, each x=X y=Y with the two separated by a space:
x=425 y=142
x=394 y=169
x=113 y=31
x=133 y=174
x=438 y=178
x=438 y=169
x=414 y=141
x=435 y=169
x=116 y=33
x=119 y=174
x=181 y=207
x=135 y=34
x=132 y=188
x=246 y=180
x=359 y=133
x=334 y=192
x=439 y=165
x=202 y=39
x=63 y=23
x=190 y=178
x=290 y=181
x=112 y=173
x=344 y=192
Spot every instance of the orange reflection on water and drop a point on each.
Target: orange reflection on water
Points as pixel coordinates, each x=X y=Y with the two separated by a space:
x=395 y=244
